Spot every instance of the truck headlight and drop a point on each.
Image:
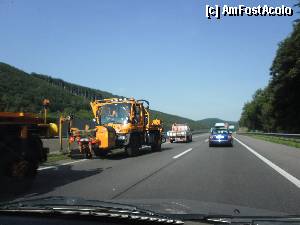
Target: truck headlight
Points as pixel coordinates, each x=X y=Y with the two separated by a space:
x=122 y=137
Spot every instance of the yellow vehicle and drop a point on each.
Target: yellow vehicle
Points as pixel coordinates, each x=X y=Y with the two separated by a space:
x=20 y=143
x=124 y=123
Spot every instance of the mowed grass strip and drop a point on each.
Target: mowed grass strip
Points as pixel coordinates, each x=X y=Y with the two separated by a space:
x=57 y=157
x=279 y=140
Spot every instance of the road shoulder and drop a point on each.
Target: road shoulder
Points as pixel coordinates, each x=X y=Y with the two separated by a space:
x=285 y=157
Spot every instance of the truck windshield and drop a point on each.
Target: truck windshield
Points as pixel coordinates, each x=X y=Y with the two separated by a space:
x=115 y=113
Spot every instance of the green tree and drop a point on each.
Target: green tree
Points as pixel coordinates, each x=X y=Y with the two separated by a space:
x=277 y=107
x=285 y=83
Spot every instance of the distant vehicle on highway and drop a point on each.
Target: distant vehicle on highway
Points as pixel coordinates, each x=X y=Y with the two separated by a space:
x=231 y=128
x=220 y=137
x=219 y=125
x=180 y=132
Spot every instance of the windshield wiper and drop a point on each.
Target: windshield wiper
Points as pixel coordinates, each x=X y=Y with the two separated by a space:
x=106 y=209
x=95 y=208
x=245 y=220
x=64 y=201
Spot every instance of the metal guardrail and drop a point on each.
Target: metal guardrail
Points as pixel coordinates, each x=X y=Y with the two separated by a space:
x=282 y=135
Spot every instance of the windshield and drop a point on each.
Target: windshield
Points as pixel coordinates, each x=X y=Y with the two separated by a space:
x=180 y=106
x=115 y=113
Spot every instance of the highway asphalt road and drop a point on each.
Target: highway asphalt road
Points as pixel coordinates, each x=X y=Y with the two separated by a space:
x=252 y=173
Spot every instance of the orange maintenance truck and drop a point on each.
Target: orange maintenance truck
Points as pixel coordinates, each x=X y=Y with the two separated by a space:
x=122 y=123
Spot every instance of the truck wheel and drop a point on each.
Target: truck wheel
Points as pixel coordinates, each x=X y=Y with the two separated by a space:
x=131 y=150
x=23 y=169
x=36 y=143
x=133 y=146
x=186 y=139
x=86 y=151
x=156 y=147
x=191 y=139
x=171 y=141
x=30 y=163
x=99 y=152
x=20 y=163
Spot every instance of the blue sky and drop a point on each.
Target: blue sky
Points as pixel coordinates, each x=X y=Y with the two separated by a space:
x=165 y=51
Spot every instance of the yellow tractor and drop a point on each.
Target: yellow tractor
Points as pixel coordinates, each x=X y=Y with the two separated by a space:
x=124 y=123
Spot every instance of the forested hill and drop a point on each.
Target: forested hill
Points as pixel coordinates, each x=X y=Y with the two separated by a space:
x=77 y=90
x=20 y=91
x=209 y=122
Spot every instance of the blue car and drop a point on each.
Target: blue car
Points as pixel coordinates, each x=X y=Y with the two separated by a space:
x=220 y=137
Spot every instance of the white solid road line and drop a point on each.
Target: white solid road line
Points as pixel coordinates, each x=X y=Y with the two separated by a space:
x=46 y=168
x=282 y=172
x=182 y=153
x=63 y=164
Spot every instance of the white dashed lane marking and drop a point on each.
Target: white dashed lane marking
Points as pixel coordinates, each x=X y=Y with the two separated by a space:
x=182 y=153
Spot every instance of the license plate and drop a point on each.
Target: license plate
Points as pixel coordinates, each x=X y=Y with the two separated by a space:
x=219 y=136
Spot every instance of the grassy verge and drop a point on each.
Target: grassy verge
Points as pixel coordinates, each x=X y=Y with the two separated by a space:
x=279 y=140
x=57 y=157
